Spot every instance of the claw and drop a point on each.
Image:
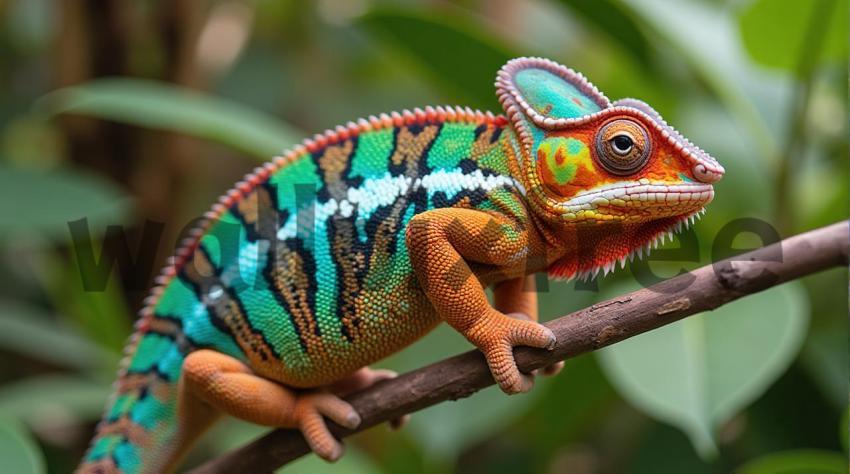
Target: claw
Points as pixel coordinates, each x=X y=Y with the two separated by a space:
x=548 y=370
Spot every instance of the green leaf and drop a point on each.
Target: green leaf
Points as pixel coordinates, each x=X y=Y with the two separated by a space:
x=47 y=398
x=803 y=461
x=711 y=54
x=824 y=356
x=698 y=373
x=42 y=203
x=466 y=74
x=28 y=331
x=163 y=106
x=614 y=19
x=101 y=315
x=18 y=450
x=784 y=33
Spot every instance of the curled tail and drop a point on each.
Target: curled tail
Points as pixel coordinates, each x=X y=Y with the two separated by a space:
x=143 y=429
x=140 y=430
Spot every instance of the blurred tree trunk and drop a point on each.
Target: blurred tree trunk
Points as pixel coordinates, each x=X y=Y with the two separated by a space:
x=101 y=38
x=93 y=42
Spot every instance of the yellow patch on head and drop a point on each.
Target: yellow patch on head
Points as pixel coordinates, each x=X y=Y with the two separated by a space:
x=566 y=165
x=562 y=158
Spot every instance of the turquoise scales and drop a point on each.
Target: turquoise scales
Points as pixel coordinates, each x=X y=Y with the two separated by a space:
x=302 y=271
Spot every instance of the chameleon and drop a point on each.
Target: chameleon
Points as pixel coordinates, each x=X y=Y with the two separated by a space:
x=359 y=241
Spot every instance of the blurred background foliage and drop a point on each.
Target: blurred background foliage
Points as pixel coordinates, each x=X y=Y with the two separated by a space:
x=129 y=113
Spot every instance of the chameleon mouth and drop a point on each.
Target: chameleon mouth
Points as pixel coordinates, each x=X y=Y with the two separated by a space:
x=679 y=197
x=639 y=201
x=649 y=215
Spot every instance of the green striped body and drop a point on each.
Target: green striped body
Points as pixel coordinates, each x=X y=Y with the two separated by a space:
x=306 y=276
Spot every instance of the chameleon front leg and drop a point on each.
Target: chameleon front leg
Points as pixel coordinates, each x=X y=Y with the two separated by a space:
x=230 y=386
x=517 y=295
x=517 y=298
x=440 y=243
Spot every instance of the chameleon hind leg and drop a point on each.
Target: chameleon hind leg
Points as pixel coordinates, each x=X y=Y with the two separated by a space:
x=517 y=298
x=230 y=386
x=441 y=244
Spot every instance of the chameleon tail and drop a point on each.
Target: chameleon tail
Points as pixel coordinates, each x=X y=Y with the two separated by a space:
x=139 y=431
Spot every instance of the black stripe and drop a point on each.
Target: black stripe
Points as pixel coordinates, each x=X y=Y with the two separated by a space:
x=422 y=168
x=217 y=310
x=295 y=245
x=184 y=341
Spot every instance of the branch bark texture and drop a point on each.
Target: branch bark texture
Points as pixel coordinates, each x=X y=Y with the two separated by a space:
x=583 y=331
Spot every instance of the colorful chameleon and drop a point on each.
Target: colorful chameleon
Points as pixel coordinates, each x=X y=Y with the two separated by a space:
x=356 y=243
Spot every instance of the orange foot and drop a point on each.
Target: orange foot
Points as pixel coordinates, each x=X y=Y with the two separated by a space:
x=214 y=379
x=549 y=370
x=496 y=334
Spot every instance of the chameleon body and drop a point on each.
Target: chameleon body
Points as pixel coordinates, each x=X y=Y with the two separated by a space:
x=361 y=240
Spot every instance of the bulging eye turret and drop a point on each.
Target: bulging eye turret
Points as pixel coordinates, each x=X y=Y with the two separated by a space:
x=622 y=146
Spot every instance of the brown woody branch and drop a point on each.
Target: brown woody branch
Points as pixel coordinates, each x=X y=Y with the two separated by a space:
x=598 y=326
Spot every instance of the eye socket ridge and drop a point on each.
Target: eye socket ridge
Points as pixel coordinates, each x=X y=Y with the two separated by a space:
x=622 y=146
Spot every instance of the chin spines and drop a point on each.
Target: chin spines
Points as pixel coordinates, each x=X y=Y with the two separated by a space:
x=641 y=251
x=688 y=221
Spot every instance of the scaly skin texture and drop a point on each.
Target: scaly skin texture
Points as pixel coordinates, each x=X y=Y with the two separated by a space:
x=358 y=242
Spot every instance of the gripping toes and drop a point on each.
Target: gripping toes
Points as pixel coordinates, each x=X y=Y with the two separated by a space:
x=497 y=335
x=227 y=384
x=309 y=409
x=549 y=370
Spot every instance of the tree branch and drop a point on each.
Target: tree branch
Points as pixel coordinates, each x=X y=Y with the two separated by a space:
x=586 y=330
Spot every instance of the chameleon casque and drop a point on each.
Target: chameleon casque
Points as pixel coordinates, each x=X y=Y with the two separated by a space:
x=359 y=241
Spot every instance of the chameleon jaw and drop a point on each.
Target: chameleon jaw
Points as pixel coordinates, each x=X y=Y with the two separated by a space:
x=650 y=213
x=682 y=223
x=637 y=202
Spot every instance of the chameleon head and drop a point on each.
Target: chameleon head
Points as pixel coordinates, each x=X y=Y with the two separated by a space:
x=587 y=162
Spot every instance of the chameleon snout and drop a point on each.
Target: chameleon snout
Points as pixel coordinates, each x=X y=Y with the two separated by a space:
x=706 y=175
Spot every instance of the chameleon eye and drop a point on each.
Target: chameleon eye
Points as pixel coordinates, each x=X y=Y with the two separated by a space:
x=622 y=146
